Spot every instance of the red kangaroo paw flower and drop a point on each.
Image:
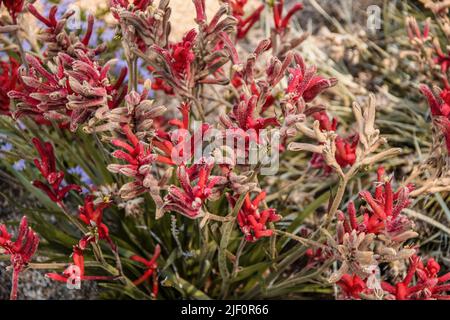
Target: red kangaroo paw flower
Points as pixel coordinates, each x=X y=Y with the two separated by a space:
x=251 y=221
x=151 y=266
x=53 y=178
x=21 y=251
x=189 y=199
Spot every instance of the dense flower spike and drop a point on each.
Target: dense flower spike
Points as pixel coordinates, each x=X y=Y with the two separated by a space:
x=137 y=111
x=139 y=159
x=77 y=89
x=151 y=266
x=8 y=82
x=177 y=62
x=380 y=237
x=42 y=93
x=188 y=199
x=142 y=24
x=53 y=185
x=187 y=113
x=21 y=251
x=58 y=40
x=253 y=223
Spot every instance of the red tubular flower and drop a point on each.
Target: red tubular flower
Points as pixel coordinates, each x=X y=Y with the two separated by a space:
x=440 y=110
x=139 y=159
x=432 y=286
x=92 y=216
x=244 y=24
x=345 y=148
x=429 y=284
x=304 y=83
x=243 y=116
x=251 y=221
x=188 y=199
x=282 y=23
x=439 y=104
x=385 y=207
x=42 y=92
x=151 y=266
x=403 y=289
x=75 y=272
x=53 y=178
x=352 y=286
x=21 y=250
x=8 y=82
x=175 y=145
x=183 y=55
x=200 y=11
x=14 y=8
x=350 y=221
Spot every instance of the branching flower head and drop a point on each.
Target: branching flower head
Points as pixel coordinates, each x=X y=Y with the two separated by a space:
x=384 y=212
x=139 y=159
x=52 y=185
x=251 y=220
x=188 y=199
x=21 y=251
x=151 y=266
x=429 y=286
x=92 y=215
x=75 y=89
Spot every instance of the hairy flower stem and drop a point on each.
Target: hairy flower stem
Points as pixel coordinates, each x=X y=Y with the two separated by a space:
x=238 y=255
x=213 y=217
x=15 y=282
x=344 y=179
x=304 y=241
x=337 y=200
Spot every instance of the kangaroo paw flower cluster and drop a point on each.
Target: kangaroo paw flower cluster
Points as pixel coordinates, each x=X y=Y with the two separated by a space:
x=226 y=162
